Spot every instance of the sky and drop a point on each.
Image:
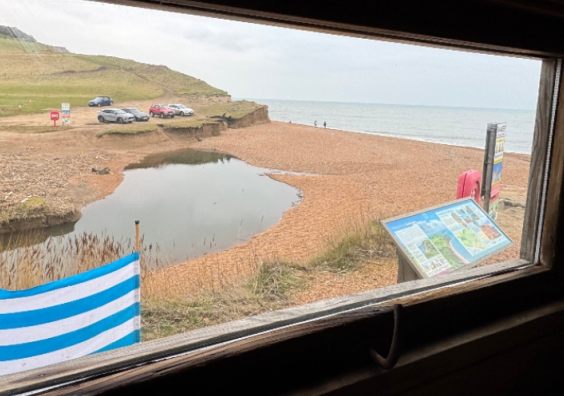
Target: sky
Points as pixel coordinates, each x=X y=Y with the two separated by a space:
x=256 y=61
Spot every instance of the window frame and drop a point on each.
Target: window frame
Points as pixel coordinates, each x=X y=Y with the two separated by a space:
x=543 y=217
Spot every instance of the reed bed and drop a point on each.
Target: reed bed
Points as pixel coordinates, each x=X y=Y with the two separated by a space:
x=213 y=294
x=25 y=262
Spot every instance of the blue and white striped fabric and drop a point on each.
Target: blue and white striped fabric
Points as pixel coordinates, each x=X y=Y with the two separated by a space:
x=91 y=312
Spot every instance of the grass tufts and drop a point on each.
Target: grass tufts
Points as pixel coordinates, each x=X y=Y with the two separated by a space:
x=268 y=290
x=182 y=124
x=364 y=245
x=128 y=130
x=276 y=280
x=26 y=262
x=272 y=285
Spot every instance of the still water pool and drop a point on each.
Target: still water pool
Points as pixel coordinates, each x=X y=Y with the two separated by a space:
x=189 y=203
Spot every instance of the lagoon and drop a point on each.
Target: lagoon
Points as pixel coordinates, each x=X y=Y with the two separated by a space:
x=189 y=203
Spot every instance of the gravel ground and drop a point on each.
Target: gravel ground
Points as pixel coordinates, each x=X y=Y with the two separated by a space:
x=348 y=179
x=352 y=178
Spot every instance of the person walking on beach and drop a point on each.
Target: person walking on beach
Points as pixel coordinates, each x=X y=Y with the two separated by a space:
x=315 y=123
x=324 y=124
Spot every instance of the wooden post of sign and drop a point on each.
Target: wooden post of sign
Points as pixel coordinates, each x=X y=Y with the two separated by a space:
x=137 y=237
x=488 y=166
x=405 y=271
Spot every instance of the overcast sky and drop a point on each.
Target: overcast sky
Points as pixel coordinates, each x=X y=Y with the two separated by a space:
x=255 y=61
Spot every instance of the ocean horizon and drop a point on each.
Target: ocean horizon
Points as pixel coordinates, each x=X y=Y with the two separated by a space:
x=459 y=126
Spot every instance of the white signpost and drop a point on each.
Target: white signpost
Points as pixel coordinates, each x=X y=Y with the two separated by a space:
x=66 y=113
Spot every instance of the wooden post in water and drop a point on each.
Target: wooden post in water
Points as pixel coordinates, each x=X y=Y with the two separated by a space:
x=137 y=237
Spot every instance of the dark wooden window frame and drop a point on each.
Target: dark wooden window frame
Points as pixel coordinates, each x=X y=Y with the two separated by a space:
x=538 y=272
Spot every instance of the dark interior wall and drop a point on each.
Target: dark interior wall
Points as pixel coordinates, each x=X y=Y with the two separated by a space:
x=533 y=27
x=508 y=339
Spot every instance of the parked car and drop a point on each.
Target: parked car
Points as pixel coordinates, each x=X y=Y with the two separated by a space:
x=161 y=110
x=101 y=101
x=180 y=109
x=139 y=115
x=115 y=115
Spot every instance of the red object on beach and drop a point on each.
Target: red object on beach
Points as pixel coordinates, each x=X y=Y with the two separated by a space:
x=54 y=117
x=469 y=183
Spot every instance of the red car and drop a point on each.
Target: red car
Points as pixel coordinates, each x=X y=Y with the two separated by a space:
x=162 y=111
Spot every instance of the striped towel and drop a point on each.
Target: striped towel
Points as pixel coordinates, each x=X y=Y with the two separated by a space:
x=91 y=312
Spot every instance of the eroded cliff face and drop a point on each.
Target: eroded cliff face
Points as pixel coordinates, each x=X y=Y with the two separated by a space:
x=39 y=220
x=218 y=124
x=259 y=116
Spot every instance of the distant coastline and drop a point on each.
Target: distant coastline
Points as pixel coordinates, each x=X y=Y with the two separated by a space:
x=454 y=126
x=383 y=104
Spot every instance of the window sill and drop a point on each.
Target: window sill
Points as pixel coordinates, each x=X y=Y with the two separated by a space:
x=201 y=345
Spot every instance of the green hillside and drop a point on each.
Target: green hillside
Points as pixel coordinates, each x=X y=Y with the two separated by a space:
x=35 y=77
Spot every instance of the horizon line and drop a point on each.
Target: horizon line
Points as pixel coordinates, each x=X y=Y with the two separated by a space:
x=388 y=104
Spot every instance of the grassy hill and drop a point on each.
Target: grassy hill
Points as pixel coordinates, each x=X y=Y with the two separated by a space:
x=35 y=77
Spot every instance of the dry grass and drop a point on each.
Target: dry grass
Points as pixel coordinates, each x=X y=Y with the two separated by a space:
x=269 y=289
x=276 y=280
x=25 y=262
x=128 y=130
x=272 y=286
x=27 y=208
x=182 y=124
x=365 y=244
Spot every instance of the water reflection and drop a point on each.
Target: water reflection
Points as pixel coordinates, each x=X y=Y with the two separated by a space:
x=183 y=156
x=189 y=203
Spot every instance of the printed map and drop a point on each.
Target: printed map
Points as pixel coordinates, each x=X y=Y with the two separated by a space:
x=447 y=238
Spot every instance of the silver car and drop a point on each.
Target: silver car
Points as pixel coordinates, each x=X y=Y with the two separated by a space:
x=180 y=109
x=115 y=115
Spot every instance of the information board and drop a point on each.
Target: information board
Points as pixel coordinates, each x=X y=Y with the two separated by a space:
x=498 y=157
x=446 y=238
x=66 y=112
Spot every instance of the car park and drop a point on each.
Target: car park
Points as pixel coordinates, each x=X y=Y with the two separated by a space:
x=160 y=110
x=115 y=115
x=101 y=101
x=138 y=114
x=180 y=109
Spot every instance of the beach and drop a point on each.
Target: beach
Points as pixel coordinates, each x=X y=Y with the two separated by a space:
x=346 y=180
x=349 y=179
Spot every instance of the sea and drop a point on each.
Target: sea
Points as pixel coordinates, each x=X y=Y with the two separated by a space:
x=449 y=125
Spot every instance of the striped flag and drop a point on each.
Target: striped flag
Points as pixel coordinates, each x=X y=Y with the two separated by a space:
x=90 y=312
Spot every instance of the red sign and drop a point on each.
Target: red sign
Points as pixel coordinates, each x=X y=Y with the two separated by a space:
x=54 y=117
